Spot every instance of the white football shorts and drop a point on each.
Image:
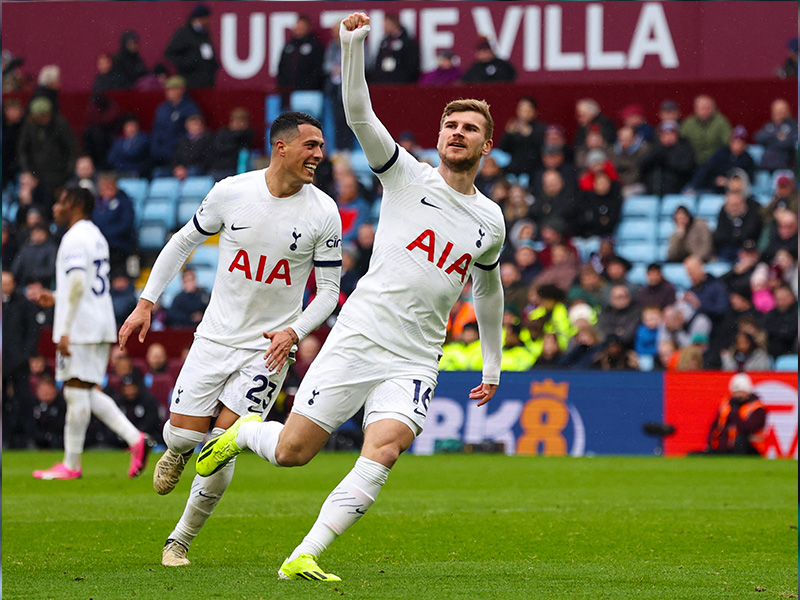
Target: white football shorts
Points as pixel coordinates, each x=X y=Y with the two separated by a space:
x=87 y=362
x=214 y=375
x=351 y=371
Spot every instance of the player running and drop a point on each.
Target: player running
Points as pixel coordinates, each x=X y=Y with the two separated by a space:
x=274 y=227
x=383 y=352
x=83 y=330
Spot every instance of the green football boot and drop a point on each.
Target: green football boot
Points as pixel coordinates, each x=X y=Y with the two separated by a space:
x=219 y=451
x=304 y=567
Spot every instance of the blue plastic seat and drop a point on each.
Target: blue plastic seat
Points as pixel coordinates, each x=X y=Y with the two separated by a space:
x=638 y=273
x=205 y=276
x=164 y=188
x=636 y=230
x=586 y=246
x=196 y=187
x=643 y=251
x=640 y=206
x=186 y=209
x=787 y=362
x=160 y=209
x=666 y=226
x=502 y=158
x=718 y=268
x=762 y=182
x=756 y=152
x=135 y=188
x=709 y=205
x=152 y=235
x=311 y=102
x=672 y=201
x=204 y=256
x=676 y=274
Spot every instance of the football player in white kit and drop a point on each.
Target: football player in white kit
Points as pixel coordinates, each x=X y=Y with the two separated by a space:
x=274 y=228
x=83 y=330
x=383 y=352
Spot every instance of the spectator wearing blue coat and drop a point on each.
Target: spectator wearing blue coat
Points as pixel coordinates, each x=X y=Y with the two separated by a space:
x=169 y=125
x=130 y=152
x=188 y=306
x=708 y=295
x=114 y=216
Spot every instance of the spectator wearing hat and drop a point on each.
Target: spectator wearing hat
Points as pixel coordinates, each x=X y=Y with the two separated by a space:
x=738 y=426
x=738 y=278
x=47 y=146
x=633 y=116
x=745 y=355
x=785 y=196
x=668 y=166
x=169 y=124
x=488 y=67
x=595 y=161
x=627 y=155
x=782 y=235
x=128 y=66
x=597 y=211
x=301 y=64
x=707 y=129
x=397 y=60
x=48 y=85
x=739 y=220
x=781 y=323
x=669 y=110
x=789 y=67
x=713 y=174
x=616 y=355
x=691 y=236
x=658 y=291
x=621 y=315
x=778 y=137
x=191 y=52
x=446 y=72
x=589 y=117
x=523 y=138
x=129 y=155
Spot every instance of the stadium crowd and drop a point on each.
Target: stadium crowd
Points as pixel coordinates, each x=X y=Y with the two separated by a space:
x=572 y=300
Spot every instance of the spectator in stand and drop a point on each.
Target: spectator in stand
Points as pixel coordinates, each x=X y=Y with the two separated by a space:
x=10 y=245
x=229 y=142
x=123 y=296
x=784 y=265
x=668 y=166
x=33 y=217
x=615 y=355
x=590 y=288
x=745 y=355
x=594 y=141
x=551 y=355
x=517 y=206
x=191 y=51
x=140 y=407
x=365 y=241
x=674 y=328
x=785 y=197
x=129 y=155
x=48 y=86
x=669 y=110
x=85 y=174
x=515 y=291
x=350 y=274
x=658 y=291
x=781 y=323
x=527 y=261
x=740 y=305
x=600 y=258
x=738 y=426
x=49 y=414
x=553 y=201
x=633 y=116
x=692 y=358
x=692 y=236
x=489 y=175
x=713 y=174
x=616 y=273
x=193 y=152
x=516 y=356
x=353 y=208
x=778 y=137
x=598 y=211
x=13 y=114
x=114 y=216
x=14 y=80
x=104 y=79
x=408 y=142
x=128 y=64
x=188 y=306
x=47 y=146
x=707 y=129
x=21 y=332
x=549 y=316
x=562 y=271
x=646 y=342
x=555 y=135
x=596 y=161
x=738 y=278
x=739 y=220
x=587 y=114
x=707 y=295
x=103 y=117
x=169 y=125
x=301 y=64
x=523 y=138
x=553 y=158
x=789 y=67
x=763 y=300
x=522 y=233
x=782 y=235
x=36 y=259
x=487 y=67
x=397 y=60
x=332 y=65
x=627 y=155
x=554 y=233
x=154 y=81
x=621 y=316
x=446 y=72
x=587 y=346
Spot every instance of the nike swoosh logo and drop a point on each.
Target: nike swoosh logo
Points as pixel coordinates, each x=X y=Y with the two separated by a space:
x=429 y=204
x=235 y=228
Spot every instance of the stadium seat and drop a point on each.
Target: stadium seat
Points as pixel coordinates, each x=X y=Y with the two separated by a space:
x=636 y=230
x=164 y=188
x=676 y=275
x=135 y=188
x=173 y=288
x=205 y=276
x=646 y=362
x=502 y=158
x=709 y=206
x=643 y=251
x=196 y=187
x=431 y=155
x=204 y=256
x=358 y=161
x=640 y=206
x=756 y=152
x=672 y=201
x=718 y=268
x=763 y=199
x=160 y=209
x=186 y=209
x=665 y=228
x=152 y=235
x=586 y=246
x=762 y=183
x=311 y=102
x=787 y=362
x=638 y=273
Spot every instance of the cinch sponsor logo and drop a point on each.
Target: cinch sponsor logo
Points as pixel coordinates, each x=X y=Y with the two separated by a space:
x=334 y=242
x=426 y=241
x=241 y=262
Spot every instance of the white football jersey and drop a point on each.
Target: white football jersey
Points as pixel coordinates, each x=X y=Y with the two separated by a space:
x=84 y=247
x=267 y=249
x=428 y=240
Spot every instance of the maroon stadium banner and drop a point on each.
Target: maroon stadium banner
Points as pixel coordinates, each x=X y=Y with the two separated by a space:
x=548 y=42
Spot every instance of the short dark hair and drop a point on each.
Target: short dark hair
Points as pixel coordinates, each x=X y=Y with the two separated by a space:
x=81 y=197
x=290 y=121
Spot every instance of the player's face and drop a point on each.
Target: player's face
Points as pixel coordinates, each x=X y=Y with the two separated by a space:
x=303 y=153
x=462 y=140
x=61 y=209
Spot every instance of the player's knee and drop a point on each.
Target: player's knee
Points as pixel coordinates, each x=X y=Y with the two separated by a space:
x=292 y=455
x=387 y=454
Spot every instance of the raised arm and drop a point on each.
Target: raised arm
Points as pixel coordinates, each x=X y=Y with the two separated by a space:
x=487 y=292
x=375 y=139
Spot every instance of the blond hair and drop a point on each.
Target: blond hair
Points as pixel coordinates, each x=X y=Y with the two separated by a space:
x=470 y=105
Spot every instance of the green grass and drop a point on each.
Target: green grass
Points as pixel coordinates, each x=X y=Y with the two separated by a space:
x=449 y=527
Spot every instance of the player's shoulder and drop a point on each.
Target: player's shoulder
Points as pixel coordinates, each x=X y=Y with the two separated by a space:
x=490 y=208
x=321 y=199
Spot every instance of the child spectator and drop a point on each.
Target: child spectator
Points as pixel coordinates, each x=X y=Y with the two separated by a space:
x=646 y=343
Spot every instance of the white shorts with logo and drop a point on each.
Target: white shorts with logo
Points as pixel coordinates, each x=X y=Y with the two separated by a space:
x=214 y=375
x=87 y=362
x=351 y=371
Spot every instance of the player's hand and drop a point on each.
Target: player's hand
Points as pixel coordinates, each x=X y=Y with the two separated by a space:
x=140 y=317
x=356 y=21
x=63 y=346
x=281 y=343
x=483 y=392
x=45 y=299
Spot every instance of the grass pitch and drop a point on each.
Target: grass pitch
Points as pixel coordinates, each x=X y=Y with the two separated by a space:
x=444 y=527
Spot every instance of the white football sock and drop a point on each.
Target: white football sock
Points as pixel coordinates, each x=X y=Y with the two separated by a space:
x=105 y=409
x=181 y=440
x=344 y=506
x=205 y=495
x=261 y=438
x=79 y=413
